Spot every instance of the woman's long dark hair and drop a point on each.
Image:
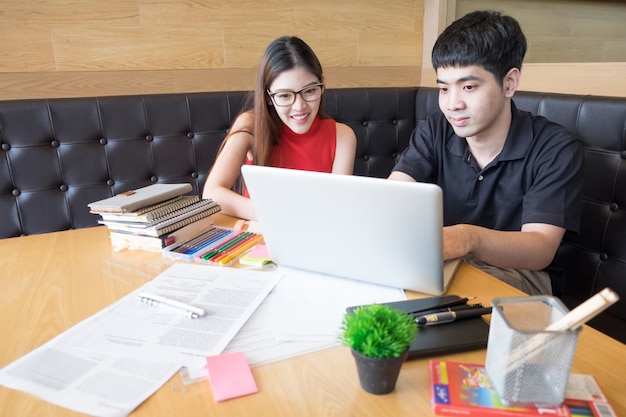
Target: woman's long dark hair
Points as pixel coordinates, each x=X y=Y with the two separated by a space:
x=283 y=54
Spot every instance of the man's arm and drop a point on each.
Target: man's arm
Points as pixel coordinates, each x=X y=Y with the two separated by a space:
x=400 y=176
x=532 y=248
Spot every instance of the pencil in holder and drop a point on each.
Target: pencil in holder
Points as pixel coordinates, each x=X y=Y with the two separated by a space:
x=527 y=365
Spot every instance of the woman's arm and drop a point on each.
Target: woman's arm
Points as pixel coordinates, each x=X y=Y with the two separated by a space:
x=227 y=169
x=345 y=150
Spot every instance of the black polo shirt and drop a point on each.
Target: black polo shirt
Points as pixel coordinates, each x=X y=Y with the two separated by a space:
x=536 y=178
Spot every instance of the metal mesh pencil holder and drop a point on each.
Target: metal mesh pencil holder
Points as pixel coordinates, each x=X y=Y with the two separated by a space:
x=526 y=364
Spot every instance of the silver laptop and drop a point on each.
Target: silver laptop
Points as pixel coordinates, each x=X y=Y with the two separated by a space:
x=369 y=229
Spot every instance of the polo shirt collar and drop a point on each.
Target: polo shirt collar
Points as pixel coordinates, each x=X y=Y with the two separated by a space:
x=519 y=138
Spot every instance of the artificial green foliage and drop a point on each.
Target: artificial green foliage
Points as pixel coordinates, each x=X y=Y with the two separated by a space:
x=378 y=331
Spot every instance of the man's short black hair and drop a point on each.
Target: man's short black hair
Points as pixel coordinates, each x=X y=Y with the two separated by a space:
x=485 y=38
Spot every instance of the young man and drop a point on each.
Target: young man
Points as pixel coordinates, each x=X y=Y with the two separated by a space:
x=512 y=182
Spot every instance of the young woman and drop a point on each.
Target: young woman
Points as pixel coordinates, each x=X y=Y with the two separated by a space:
x=283 y=126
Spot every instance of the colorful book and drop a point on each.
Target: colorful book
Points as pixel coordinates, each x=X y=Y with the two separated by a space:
x=134 y=199
x=152 y=212
x=465 y=389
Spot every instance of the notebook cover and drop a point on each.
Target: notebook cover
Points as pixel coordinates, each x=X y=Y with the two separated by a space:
x=458 y=336
x=141 y=197
x=152 y=212
x=458 y=388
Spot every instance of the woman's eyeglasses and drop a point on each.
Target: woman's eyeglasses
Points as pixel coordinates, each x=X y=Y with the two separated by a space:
x=283 y=98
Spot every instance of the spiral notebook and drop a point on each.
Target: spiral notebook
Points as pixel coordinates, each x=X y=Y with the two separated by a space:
x=154 y=211
x=170 y=222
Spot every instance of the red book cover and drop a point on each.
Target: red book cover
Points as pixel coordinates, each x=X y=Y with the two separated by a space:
x=464 y=389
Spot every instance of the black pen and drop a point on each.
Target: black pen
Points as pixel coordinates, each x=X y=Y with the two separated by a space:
x=449 y=316
x=442 y=306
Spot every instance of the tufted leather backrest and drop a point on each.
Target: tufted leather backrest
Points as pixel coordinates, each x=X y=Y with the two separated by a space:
x=382 y=118
x=58 y=155
x=596 y=257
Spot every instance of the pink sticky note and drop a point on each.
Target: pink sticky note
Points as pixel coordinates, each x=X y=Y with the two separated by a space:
x=230 y=376
x=259 y=251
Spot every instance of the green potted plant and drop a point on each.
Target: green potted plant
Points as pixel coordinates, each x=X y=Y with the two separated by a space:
x=379 y=337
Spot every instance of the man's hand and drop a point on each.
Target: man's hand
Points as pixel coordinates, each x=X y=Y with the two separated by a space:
x=532 y=248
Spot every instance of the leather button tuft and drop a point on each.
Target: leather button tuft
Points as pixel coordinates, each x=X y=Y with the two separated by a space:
x=365 y=123
x=366 y=157
x=154 y=178
x=613 y=206
x=194 y=175
x=110 y=182
x=604 y=256
x=6 y=146
x=54 y=143
x=190 y=135
x=103 y=141
x=149 y=138
x=16 y=192
x=623 y=154
x=395 y=122
x=64 y=187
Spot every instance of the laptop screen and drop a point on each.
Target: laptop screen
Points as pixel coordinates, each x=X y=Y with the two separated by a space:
x=370 y=229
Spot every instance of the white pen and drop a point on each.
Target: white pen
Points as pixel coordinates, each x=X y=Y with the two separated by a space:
x=155 y=300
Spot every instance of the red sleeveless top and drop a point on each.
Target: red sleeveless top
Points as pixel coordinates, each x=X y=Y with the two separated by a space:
x=310 y=151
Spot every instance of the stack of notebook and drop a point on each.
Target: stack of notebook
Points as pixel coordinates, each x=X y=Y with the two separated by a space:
x=155 y=216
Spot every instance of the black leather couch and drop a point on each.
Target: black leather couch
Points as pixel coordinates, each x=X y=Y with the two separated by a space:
x=58 y=155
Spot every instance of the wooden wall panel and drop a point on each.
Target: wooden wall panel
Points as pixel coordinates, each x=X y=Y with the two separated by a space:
x=564 y=30
x=94 y=47
x=137 y=48
x=386 y=46
x=555 y=19
x=335 y=47
x=108 y=83
x=25 y=50
x=52 y=13
x=69 y=48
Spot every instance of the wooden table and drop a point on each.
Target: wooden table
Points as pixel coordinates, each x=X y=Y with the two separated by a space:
x=51 y=282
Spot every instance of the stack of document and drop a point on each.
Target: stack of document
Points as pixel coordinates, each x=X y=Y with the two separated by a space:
x=111 y=362
x=153 y=217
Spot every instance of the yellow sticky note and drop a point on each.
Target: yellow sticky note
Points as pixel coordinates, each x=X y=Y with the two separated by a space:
x=258 y=256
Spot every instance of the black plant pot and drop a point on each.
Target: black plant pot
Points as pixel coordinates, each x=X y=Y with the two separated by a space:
x=378 y=376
